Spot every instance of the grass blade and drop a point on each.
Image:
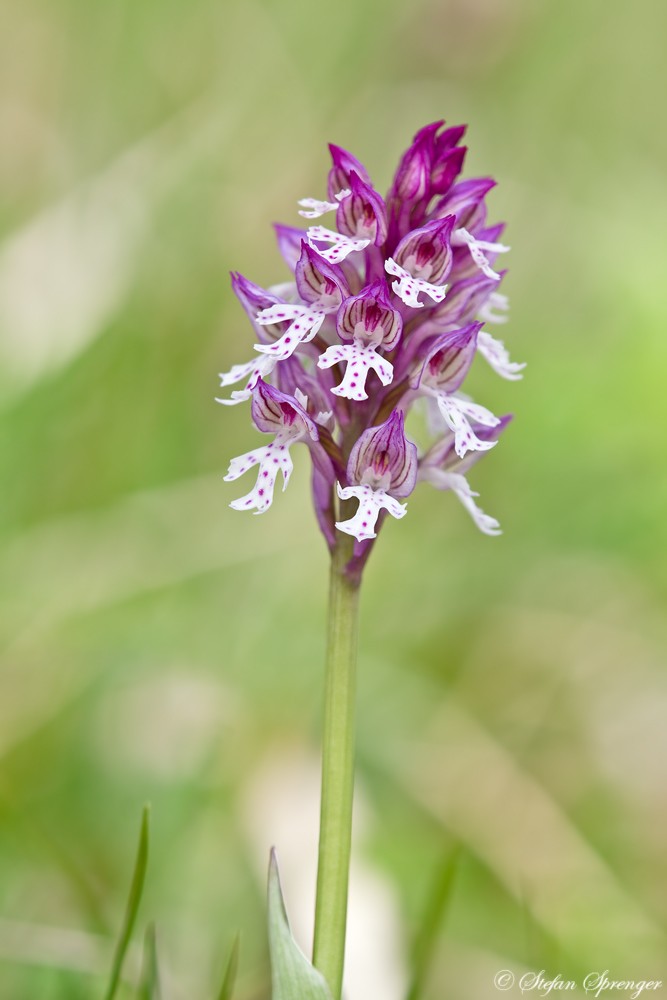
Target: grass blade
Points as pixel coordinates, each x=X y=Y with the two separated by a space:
x=133 y=901
x=149 y=984
x=227 y=988
x=427 y=935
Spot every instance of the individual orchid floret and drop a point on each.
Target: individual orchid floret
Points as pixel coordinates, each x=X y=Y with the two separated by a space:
x=342 y=247
x=362 y=215
x=340 y=174
x=422 y=261
x=369 y=322
x=498 y=357
x=318 y=208
x=408 y=288
x=382 y=466
x=461 y=237
x=322 y=286
x=442 y=372
x=273 y=412
x=494 y=301
x=426 y=253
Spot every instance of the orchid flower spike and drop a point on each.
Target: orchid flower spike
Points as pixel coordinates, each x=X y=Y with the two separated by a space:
x=386 y=306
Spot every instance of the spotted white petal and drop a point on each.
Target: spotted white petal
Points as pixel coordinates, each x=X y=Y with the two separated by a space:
x=317 y=208
x=253 y=371
x=371 y=502
x=342 y=245
x=456 y=412
x=461 y=237
x=459 y=484
x=307 y=320
x=271 y=459
x=498 y=357
x=360 y=358
x=494 y=301
x=408 y=288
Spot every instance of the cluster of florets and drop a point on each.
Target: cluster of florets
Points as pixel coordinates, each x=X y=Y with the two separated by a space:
x=366 y=327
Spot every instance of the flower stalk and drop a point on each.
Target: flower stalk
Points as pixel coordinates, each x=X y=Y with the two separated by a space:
x=337 y=767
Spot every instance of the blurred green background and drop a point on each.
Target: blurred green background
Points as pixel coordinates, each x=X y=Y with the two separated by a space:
x=158 y=646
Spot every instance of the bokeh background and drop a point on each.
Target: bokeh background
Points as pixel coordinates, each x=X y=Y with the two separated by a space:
x=158 y=646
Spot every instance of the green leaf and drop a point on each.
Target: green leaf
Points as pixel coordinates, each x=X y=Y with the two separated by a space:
x=227 y=988
x=149 y=984
x=427 y=936
x=133 y=901
x=292 y=975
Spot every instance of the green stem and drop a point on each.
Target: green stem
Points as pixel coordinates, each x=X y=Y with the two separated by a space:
x=337 y=769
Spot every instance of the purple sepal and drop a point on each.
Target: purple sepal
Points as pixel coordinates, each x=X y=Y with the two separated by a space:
x=273 y=411
x=464 y=299
x=253 y=298
x=442 y=453
x=372 y=308
x=384 y=459
x=447 y=140
x=449 y=358
x=463 y=199
x=289 y=239
x=447 y=169
x=363 y=214
x=343 y=165
x=426 y=253
x=318 y=281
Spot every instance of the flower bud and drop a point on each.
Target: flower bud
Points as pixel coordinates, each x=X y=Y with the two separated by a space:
x=447 y=140
x=412 y=178
x=446 y=169
x=343 y=165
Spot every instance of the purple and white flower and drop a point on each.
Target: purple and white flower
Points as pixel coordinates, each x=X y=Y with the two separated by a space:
x=382 y=466
x=369 y=322
x=273 y=412
x=386 y=307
